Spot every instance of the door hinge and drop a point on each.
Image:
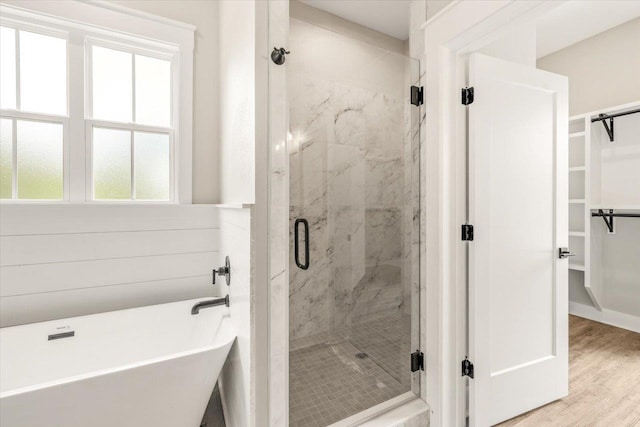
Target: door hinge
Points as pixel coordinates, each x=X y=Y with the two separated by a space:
x=467 y=368
x=467 y=95
x=417 y=361
x=417 y=95
x=467 y=232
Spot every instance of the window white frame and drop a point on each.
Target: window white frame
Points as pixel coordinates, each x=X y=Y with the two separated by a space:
x=18 y=114
x=91 y=122
x=117 y=26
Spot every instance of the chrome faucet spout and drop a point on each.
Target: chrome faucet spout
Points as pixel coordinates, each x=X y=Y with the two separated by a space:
x=209 y=303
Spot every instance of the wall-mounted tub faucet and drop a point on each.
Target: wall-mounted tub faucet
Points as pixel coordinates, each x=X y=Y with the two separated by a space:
x=225 y=271
x=209 y=303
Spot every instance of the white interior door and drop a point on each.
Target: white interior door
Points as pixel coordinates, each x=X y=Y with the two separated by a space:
x=518 y=302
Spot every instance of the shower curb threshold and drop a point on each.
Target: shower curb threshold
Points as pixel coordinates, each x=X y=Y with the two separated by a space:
x=392 y=413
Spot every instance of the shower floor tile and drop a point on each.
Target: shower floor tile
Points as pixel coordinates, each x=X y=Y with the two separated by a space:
x=331 y=380
x=387 y=341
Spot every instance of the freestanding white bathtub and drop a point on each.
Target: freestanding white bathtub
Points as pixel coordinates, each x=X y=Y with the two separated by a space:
x=153 y=366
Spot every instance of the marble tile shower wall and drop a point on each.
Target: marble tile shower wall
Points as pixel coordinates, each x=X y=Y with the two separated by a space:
x=353 y=162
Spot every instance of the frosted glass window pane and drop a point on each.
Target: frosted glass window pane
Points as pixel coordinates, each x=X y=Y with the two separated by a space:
x=153 y=91
x=43 y=73
x=6 y=158
x=111 y=164
x=40 y=160
x=152 y=164
x=112 y=84
x=7 y=68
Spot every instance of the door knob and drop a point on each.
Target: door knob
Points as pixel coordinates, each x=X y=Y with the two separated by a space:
x=564 y=253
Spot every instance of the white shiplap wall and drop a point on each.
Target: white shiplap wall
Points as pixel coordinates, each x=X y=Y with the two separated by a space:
x=59 y=260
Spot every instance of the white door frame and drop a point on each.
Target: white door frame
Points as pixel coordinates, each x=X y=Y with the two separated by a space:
x=461 y=28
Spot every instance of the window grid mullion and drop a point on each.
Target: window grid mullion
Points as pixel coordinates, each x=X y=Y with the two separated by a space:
x=38 y=117
x=133 y=167
x=133 y=88
x=128 y=126
x=88 y=78
x=14 y=159
x=76 y=143
x=17 y=53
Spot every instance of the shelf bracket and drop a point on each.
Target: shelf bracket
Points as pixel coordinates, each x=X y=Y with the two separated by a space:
x=608 y=219
x=607 y=127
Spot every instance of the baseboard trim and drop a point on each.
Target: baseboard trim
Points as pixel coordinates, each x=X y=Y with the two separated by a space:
x=609 y=317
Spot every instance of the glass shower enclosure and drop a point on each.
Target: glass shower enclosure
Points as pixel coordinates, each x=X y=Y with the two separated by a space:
x=354 y=188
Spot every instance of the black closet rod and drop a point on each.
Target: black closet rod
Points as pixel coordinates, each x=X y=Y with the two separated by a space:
x=607 y=217
x=610 y=116
x=620 y=215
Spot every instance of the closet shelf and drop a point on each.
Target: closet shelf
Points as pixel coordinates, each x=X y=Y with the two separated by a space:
x=577 y=267
x=576 y=134
x=578 y=169
x=577 y=234
x=576 y=201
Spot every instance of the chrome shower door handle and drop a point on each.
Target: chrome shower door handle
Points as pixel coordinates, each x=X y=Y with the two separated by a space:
x=296 y=243
x=564 y=253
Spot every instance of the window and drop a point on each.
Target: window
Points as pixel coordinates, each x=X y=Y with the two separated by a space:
x=131 y=128
x=89 y=113
x=33 y=100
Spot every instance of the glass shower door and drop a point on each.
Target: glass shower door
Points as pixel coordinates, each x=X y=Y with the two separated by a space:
x=354 y=150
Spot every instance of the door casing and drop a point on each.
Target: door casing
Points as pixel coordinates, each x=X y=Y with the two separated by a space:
x=450 y=36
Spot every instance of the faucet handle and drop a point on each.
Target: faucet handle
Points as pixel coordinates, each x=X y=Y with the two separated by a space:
x=225 y=271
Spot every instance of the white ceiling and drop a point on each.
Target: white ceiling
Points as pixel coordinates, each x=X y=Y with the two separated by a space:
x=390 y=17
x=577 y=20
x=569 y=23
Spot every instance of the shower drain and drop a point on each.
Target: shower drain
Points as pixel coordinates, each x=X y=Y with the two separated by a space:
x=362 y=355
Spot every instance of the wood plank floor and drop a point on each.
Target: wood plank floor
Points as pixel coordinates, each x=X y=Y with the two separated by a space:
x=604 y=380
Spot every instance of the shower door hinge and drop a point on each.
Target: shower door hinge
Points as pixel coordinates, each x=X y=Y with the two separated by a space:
x=467 y=232
x=417 y=361
x=467 y=95
x=467 y=368
x=417 y=95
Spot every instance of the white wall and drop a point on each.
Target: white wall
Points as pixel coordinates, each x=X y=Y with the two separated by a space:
x=204 y=15
x=59 y=261
x=435 y=6
x=621 y=266
x=276 y=337
x=603 y=70
x=518 y=46
x=336 y=24
x=243 y=140
x=237 y=101
x=235 y=379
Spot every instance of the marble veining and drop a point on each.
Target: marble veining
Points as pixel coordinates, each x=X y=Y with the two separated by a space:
x=354 y=164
